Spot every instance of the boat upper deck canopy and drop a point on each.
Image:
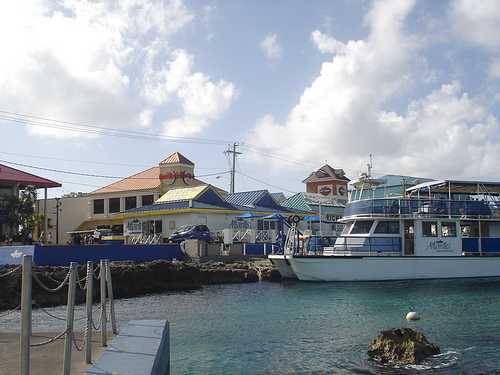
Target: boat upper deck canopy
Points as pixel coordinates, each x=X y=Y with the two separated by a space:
x=457 y=187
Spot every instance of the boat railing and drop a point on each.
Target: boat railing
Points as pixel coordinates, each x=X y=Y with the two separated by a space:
x=371 y=245
x=335 y=252
x=390 y=207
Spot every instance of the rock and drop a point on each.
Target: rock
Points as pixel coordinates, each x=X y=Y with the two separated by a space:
x=401 y=346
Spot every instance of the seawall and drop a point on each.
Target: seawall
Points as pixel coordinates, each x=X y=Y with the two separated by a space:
x=137 y=279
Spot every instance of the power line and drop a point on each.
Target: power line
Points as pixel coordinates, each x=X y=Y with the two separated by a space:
x=286 y=159
x=96 y=175
x=266 y=183
x=31 y=120
x=88 y=161
x=38 y=121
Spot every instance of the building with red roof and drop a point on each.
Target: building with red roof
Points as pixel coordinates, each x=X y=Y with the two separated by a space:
x=11 y=181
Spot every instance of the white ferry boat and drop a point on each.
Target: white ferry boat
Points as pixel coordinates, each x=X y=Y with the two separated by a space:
x=437 y=229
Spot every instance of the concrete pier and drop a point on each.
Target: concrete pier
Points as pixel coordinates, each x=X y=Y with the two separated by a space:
x=141 y=348
x=47 y=359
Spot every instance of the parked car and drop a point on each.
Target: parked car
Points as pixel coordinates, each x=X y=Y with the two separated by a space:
x=197 y=232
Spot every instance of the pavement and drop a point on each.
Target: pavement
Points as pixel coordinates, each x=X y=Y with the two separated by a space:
x=47 y=359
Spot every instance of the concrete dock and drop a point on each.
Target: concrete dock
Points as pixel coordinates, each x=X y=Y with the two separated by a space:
x=47 y=359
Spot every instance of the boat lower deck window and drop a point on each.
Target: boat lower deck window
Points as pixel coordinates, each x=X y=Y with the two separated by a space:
x=362 y=227
x=347 y=228
x=448 y=229
x=387 y=227
x=429 y=229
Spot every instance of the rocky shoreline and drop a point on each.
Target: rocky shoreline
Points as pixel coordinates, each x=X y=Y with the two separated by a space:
x=138 y=279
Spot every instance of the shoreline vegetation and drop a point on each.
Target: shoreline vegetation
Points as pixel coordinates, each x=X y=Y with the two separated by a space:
x=139 y=279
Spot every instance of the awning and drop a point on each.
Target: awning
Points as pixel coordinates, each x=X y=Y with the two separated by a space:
x=274 y=216
x=311 y=218
x=249 y=215
x=458 y=187
x=15 y=176
x=93 y=224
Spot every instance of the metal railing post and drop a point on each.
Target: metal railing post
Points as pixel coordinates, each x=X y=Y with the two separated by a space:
x=26 y=305
x=103 y=302
x=111 y=299
x=70 y=314
x=88 y=306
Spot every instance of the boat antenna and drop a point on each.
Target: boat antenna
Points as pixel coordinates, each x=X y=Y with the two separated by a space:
x=370 y=166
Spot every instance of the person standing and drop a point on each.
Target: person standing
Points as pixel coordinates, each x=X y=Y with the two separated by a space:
x=97 y=236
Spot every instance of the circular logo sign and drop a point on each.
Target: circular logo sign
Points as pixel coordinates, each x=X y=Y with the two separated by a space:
x=325 y=190
x=341 y=190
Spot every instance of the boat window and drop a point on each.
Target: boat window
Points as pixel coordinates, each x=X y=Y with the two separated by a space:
x=429 y=229
x=448 y=229
x=362 y=227
x=387 y=227
x=347 y=228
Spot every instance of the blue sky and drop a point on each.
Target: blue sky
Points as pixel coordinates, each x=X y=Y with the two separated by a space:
x=414 y=83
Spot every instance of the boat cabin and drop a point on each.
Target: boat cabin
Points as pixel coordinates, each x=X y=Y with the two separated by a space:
x=436 y=218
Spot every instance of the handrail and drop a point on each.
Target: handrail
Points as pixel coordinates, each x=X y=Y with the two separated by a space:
x=423 y=207
x=72 y=280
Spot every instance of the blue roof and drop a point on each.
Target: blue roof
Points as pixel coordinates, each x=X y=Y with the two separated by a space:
x=162 y=206
x=246 y=198
x=248 y=201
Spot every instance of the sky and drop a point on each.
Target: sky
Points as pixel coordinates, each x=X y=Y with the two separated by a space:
x=113 y=87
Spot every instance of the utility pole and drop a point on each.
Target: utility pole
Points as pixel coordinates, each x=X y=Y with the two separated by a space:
x=233 y=164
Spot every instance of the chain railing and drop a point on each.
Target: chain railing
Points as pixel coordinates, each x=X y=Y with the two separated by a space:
x=72 y=281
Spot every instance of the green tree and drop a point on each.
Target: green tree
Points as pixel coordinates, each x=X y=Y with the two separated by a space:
x=19 y=211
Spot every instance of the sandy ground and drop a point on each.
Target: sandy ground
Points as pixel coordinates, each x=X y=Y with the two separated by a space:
x=48 y=359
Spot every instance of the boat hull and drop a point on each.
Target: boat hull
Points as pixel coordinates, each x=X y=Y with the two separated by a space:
x=375 y=268
x=282 y=264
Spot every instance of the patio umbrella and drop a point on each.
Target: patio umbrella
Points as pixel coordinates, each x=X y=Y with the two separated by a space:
x=248 y=215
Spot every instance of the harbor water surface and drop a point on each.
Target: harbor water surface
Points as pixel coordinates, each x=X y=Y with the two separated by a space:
x=310 y=328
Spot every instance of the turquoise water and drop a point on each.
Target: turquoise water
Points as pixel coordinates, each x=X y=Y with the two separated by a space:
x=309 y=328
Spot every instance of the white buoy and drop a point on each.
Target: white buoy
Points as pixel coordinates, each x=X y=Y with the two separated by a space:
x=412 y=315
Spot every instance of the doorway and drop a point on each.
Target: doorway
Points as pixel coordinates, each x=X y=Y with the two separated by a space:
x=409 y=237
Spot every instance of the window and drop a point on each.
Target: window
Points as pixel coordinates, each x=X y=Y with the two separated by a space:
x=147 y=200
x=471 y=229
x=347 y=228
x=98 y=206
x=130 y=202
x=429 y=229
x=157 y=224
x=362 y=227
x=114 y=205
x=266 y=224
x=387 y=227
x=448 y=229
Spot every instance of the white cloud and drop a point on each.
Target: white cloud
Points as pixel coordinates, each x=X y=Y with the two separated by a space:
x=494 y=69
x=477 y=22
x=146 y=118
x=271 y=47
x=341 y=116
x=100 y=62
x=327 y=44
x=203 y=101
